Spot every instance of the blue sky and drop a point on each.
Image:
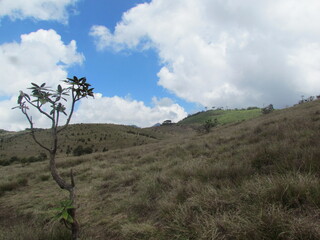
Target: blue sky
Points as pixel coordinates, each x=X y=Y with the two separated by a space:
x=160 y=59
x=127 y=73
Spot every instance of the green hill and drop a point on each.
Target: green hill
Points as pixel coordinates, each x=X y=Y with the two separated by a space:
x=223 y=116
x=97 y=137
x=104 y=137
x=257 y=179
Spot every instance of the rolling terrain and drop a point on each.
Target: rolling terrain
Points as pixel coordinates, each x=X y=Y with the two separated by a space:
x=97 y=137
x=222 y=116
x=104 y=137
x=249 y=178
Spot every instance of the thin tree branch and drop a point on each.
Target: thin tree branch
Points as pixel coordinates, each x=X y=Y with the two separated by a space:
x=72 y=178
x=66 y=224
x=24 y=111
x=71 y=112
x=57 y=120
x=39 y=108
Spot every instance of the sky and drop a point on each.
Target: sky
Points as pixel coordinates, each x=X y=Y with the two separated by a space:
x=154 y=60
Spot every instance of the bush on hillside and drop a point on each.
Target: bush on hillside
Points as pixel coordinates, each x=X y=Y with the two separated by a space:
x=41 y=157
x=267 y=109
x=206 y=127
x=79 y=150
x=166 y=123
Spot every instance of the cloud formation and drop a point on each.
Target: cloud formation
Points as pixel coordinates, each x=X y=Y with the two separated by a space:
x=127 y=111
x=220 y=53
x=42 y=56
x=39 y=57
x=36 y=9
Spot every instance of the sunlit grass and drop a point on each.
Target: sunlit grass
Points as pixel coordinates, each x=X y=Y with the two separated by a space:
x=223 y=116
x=258 y=179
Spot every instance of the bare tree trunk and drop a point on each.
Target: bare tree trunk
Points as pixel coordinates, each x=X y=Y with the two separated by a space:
x=56 y=176
x=71 y=189
x=75 y=225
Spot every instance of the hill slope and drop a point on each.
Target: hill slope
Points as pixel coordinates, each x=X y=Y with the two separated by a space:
x=257 y=179
x=97 y=137
x=222 y=116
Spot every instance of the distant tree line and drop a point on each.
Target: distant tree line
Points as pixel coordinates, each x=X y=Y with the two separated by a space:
x=309 y=99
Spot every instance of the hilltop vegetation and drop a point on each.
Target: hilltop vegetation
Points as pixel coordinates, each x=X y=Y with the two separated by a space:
x=222 y=116
x=252 y=179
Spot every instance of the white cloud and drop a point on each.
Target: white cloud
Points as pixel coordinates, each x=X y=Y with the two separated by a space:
x=11 y=119
x=101 y=109
x=37 y=9
x=219 y=53
x=127 y=111
x=14 y=120
x=102 y=36
x=41 y=56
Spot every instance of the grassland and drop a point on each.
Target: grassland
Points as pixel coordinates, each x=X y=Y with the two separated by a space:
x=247 y=180
x=222 y=116
x=99 y=137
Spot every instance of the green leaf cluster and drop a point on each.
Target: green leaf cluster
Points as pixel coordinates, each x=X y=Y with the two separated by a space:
x=63 y=212
x=80 y=87
x=40 y=95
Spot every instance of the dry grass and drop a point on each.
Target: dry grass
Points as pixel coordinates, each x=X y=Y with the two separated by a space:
x=258 y=179
x=99 y=137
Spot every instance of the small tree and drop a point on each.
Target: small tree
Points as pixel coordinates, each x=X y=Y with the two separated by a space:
x=267 y=109
x=166 y=122
x=207 y=125
x=50 y=103
x=79 y=150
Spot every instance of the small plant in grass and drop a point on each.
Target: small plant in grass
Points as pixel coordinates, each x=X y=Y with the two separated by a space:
x=64 y=213
x=51 y=103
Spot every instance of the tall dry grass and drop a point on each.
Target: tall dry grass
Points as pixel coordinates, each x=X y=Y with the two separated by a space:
x=258 y=179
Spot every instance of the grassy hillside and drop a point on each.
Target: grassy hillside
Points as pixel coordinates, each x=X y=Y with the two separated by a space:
x=104 y=137
x=256 y=179
x=223 y=116
x=98 y=137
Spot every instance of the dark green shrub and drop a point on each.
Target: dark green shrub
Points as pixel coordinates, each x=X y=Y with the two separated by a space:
x=5 y=163
x=22 y=181
x=10 y=186
x=42 y=156
x=105 y=149
x=79 y=150
x=206 y=127
x=267 y=109
x=69 y=149
x=44 y=178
